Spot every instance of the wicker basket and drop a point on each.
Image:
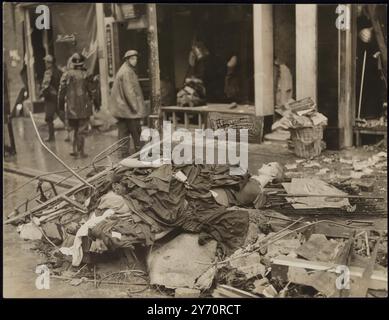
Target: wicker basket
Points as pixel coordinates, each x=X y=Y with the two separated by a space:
x=307 y=135
x=307 y=141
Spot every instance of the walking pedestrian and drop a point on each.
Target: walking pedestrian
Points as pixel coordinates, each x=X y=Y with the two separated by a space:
x=49 y=92
x=74 y=89
x=127 y=102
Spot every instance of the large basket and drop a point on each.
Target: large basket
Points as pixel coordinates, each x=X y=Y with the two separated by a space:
x=307 y=135
x=307 y=141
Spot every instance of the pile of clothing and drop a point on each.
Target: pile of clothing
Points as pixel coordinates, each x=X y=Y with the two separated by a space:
x=137 y=206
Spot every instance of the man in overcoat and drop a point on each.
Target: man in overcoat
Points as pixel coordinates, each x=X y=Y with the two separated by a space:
x=127 y=102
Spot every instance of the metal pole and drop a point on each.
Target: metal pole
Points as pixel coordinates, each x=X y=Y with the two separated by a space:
x=56 y=157
x=361 y=89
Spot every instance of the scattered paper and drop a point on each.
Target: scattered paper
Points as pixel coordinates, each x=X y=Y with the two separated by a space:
x=367 y=171
x=116 y=235
x=322 y=171
x=180 y=176
x=318 y=118
x=29 y=231
x=250 y=265
x=314 y=187
x=312 y=164
x=291 y=166
x=356 y=174
x=328 y=160
x=347 y=161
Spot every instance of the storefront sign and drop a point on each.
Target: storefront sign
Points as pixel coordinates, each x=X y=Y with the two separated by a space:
x=237 y=121
x=108 y=36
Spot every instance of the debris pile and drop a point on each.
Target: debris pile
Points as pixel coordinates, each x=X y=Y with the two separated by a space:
x=305 y=124
x=352 y=178
x=197 y=230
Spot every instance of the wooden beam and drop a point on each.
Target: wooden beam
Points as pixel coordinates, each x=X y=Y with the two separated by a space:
x=152 y=39
x=29 y=58
x=378 y=279
x=263 y=59
x=347 y=46
x=102 y=56
x=306 y=51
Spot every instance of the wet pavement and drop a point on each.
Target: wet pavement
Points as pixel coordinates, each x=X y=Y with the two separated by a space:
x=31 y=154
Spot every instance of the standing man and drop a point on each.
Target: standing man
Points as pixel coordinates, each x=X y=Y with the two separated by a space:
x=127 y=103
x=74 y=88
x=49 y=91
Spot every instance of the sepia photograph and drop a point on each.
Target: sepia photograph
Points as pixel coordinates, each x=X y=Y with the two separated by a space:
x=194 y=150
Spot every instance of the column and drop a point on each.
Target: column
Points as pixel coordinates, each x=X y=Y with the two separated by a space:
x=263 y=59
x=306 y=51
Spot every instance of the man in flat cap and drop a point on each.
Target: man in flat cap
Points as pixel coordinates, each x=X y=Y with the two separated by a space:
x=49 y=91
x=127 y=103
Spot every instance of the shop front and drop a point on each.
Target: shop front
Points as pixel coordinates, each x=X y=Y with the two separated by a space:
x=235 y=51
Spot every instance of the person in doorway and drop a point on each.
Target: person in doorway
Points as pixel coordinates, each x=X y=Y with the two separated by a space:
x=49 y=92
x=127 y=103
x=369 y=63
x=74 y=89
x=231 y=81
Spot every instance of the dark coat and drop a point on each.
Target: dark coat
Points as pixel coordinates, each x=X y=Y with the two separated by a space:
x=74 y=87
x=50 y=83
x=126 y=96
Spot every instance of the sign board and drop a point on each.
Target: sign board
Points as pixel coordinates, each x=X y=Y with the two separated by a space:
x=253 y=123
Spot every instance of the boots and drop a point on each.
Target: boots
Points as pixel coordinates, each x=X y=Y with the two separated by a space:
x=51 y=137
x=75 y=151
x=81 y=144
x=78 y=146
x=67 y=139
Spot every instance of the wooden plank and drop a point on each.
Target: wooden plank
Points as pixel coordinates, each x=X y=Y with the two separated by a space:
x=221 y=108
x=174 y=121
x=224 y=291
x=152 y=40
x=346 y=79
x=186 y=120
x=263 y=59
x=102 y=54
x=30 y=57
x=306 y=51
x=378 y=279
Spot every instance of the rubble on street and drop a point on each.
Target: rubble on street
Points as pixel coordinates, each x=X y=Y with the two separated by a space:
x=197 y=231
x=195 y=151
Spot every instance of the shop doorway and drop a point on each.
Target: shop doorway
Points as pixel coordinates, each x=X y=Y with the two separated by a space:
x=225 y=31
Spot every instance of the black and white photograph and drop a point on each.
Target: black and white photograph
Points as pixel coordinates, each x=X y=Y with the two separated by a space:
x=194 y=150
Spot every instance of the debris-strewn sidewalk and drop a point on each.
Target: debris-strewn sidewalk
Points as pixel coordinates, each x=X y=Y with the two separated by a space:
x=306 y=229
